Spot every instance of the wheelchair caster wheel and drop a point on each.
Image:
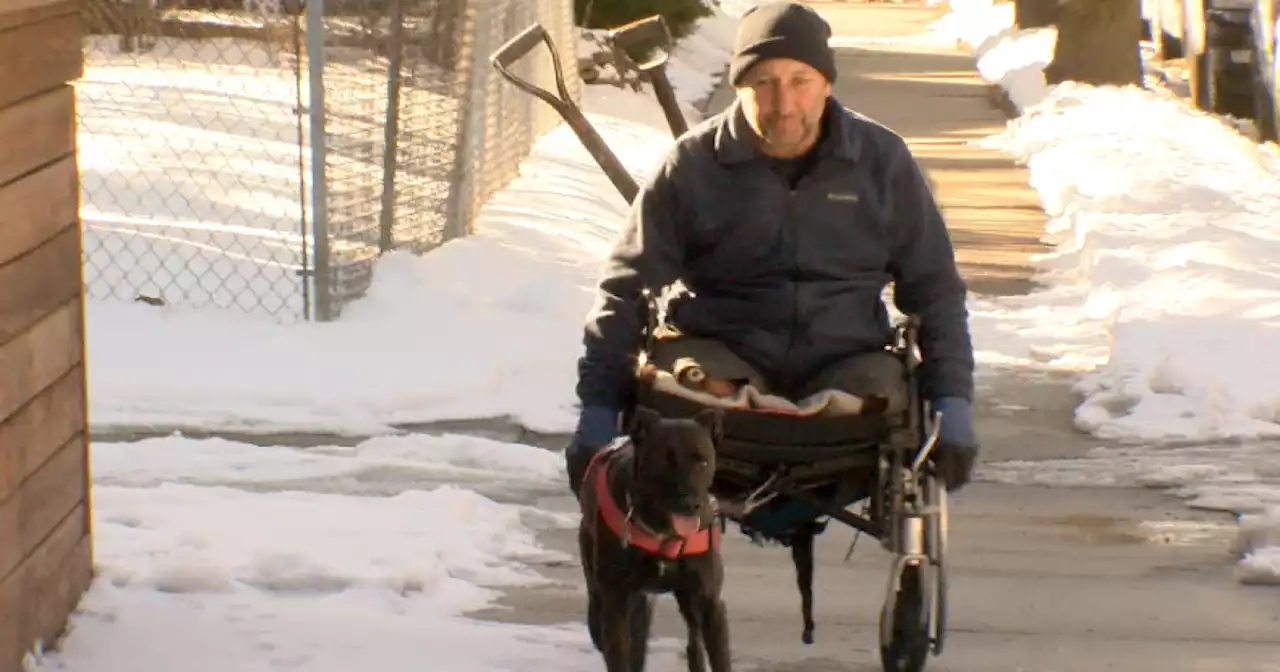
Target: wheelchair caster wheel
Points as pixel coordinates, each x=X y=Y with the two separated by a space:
x=905 y=643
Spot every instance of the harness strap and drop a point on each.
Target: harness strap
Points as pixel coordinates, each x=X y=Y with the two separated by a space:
x=632 y=533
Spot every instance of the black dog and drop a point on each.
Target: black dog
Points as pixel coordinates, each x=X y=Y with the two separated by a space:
x=648 y=527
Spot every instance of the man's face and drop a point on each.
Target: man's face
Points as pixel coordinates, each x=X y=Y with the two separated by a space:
x=783 y=100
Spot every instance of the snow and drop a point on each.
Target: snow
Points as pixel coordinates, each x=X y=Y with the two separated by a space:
x=1162 y=290
x=212 y=555
x=698 y=61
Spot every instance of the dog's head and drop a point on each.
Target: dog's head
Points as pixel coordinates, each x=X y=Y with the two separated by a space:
x=675 y=463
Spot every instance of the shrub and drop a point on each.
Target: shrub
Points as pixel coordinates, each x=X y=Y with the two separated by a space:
x=681 y=15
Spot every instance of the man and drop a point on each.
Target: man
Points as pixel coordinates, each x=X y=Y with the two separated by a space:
x=785 y=216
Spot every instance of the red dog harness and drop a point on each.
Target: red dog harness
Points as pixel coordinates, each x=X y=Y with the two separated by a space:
x=632 y=532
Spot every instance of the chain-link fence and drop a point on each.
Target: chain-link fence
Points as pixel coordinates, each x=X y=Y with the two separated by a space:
x=256 y=154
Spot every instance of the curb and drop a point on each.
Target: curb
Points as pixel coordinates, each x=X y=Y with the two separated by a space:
x=504 y=429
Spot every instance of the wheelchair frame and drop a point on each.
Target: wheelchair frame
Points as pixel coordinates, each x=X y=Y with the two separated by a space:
x=907 y=507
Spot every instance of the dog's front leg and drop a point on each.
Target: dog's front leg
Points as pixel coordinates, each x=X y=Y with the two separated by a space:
x=641 y=616
x=616 y=629
x=593 y=617
x=715 y=631
x=586 y=550
x=687 y=600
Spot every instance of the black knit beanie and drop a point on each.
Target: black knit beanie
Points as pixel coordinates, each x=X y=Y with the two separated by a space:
x=782 y=30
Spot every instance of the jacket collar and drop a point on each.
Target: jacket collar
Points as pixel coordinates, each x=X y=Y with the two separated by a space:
x=734 y=138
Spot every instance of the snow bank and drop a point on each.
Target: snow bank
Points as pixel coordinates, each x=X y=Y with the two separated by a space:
x=1014 y=59
x=206 y=561
x=1165 y=245
x=698 y=62
x=424 y=459
x=1162 y=287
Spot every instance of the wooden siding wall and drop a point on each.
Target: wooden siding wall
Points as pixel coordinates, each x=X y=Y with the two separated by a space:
x=45 y=550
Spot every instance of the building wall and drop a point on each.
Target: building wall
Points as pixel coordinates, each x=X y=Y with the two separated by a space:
x=45 y=550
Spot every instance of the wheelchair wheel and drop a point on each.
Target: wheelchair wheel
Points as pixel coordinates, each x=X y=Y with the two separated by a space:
x=905 y=621
x=936 y=550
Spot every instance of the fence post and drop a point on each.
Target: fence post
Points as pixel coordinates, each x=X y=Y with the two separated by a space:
x=319 y=146
x=391 y=128
x=471 y=64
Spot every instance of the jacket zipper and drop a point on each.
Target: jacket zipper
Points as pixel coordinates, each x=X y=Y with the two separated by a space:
x=788 y=221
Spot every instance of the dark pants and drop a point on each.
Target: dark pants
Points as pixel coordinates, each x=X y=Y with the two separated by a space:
x=873 y=373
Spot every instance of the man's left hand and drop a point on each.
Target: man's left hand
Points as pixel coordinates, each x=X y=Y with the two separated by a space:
x=957 y=448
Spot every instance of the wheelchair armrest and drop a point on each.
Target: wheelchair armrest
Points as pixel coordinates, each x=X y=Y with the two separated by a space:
x=906 y=334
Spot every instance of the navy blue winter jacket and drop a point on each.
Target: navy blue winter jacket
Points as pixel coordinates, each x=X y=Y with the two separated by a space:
x=789 y=278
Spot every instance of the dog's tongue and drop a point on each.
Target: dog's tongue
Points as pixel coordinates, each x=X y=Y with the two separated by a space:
x=685 y=526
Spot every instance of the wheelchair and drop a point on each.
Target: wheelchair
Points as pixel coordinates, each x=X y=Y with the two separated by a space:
x=829 y=464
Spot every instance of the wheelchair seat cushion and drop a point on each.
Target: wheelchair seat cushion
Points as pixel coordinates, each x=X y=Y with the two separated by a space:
x=830 y=419
x=748 y=398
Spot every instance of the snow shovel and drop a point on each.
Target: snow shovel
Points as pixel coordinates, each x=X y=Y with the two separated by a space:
x=522 y=44
x=654 y=30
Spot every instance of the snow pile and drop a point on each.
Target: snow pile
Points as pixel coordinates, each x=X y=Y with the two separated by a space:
x=1014 y=59
x=215 y=556
x=358 y=469
x=698 y=62
x=1258 y=546
x=1163 y=287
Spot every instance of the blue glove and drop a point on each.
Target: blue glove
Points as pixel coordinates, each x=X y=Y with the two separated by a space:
x=957 y=448
x=597 y=426
x=957 y=421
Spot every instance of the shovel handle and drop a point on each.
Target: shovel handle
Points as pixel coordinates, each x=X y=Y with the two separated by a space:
x=517 y=47
x=654 y=28
x=639 y=29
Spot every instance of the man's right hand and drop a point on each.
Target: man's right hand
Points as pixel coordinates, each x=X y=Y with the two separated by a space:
x=957 y=449
x=597 y=426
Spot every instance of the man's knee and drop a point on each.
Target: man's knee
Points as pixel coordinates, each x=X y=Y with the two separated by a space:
x=873 y=373
x=714 y=358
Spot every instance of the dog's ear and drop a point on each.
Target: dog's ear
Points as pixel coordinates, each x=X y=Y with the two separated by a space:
x=643 y=420
x=713 y=420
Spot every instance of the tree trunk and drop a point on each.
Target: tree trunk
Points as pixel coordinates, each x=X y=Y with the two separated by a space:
x=1035 y=13
x=1097 y=43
